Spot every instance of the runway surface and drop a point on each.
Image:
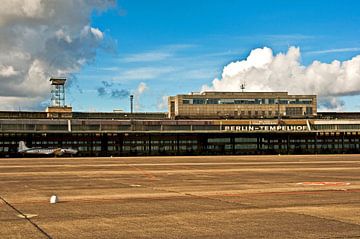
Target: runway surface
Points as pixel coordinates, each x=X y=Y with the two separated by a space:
x=287 y=196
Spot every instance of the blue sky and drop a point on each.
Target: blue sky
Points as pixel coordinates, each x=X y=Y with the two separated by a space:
x=175 y=47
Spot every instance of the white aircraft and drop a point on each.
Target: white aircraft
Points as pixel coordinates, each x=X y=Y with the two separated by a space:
x=45 y=151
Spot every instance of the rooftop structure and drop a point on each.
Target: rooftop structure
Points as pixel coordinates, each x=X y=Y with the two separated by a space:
x=242 y=105
x=58 y=109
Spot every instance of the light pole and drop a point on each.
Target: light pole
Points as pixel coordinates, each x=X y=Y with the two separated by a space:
x=131 y=103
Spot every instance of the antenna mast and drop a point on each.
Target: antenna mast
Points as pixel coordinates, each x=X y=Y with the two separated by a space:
x=242 y=87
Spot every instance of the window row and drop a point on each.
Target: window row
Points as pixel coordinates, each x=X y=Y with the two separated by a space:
x=201 y=101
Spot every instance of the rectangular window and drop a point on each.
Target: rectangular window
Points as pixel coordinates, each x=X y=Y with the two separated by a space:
x=185 y=102
x=198 y=101
x=305 y=101
x=212 y=101
x=292 y=111
x=227 y=101
x=309 y=110
x=284 y=101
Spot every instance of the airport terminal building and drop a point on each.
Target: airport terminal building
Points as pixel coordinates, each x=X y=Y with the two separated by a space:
x=196 y=124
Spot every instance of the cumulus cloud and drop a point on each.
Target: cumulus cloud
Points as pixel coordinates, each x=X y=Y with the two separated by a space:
x=263 y=70
x=7 y=71
x=42 y=39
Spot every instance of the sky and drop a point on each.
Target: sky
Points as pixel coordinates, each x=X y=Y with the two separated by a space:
x=110 y=49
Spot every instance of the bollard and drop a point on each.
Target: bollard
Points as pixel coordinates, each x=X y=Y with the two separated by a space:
x=54 y=199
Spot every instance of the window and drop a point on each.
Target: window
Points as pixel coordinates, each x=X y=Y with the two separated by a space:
x=227 y=101
x=283 y=101
x=185 y=102
x=293 y=111
x=212 y=101
x=305 y=101
x=309 y=110
x=198 y=101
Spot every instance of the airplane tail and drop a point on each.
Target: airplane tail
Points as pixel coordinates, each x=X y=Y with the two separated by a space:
x=22 y=146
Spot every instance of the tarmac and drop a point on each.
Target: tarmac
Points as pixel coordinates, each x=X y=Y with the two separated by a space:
x=281 y=196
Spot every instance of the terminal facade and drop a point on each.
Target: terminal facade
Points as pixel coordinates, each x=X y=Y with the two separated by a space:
x=241 y=105
x=196 y=124
x=122 y=134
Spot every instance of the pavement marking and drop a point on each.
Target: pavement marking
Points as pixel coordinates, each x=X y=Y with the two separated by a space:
x=324 y=183
x=26 y=218
x=25 y=215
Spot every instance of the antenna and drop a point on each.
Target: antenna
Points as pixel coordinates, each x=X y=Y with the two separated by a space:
x=242 y=87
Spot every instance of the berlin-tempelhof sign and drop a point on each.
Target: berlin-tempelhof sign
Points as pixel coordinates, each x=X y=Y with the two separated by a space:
x=296 y=128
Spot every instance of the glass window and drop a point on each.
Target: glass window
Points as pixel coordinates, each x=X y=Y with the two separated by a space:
x=212 y=101
x=293 y=111
x=309 y=110
x=198 y=101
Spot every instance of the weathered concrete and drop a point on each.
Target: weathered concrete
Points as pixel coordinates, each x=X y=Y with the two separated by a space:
x=181 y=197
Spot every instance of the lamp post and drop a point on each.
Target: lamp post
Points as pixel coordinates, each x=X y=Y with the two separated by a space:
x=131 y=103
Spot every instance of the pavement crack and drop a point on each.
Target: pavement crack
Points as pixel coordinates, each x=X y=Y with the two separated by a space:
x=37 y=227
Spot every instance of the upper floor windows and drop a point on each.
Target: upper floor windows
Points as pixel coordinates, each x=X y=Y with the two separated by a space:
x=268 y=101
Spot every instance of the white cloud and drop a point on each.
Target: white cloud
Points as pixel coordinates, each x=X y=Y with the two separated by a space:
x=19 y=103
x=97 y=33
x=20 y=9
x=7 y=71
x=141 y=88
x=42 y=39
x=264 y=71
